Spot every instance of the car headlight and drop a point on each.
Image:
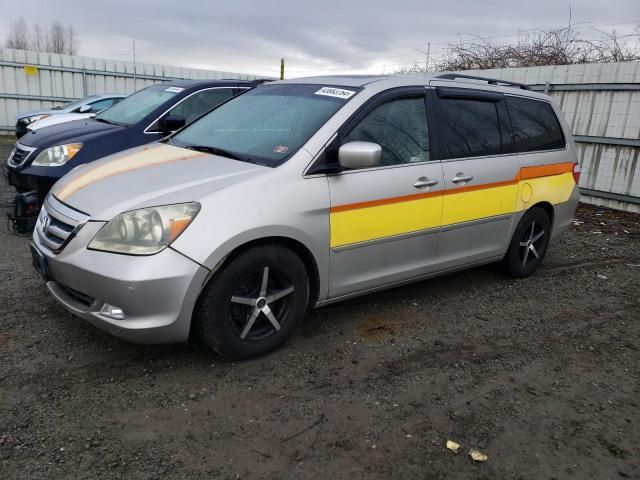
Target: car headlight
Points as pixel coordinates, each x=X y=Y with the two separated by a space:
x=56 y=156
x=145 y=231
x=34 y=118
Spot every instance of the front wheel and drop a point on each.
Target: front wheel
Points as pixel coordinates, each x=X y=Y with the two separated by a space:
x=253 y=304
x=528 y=244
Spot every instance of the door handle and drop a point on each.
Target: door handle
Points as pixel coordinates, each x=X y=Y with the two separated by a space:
x=461 y=178
x=425 y=182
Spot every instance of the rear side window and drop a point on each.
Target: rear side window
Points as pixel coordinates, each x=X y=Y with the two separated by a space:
x=470 y=128
x=535 y=125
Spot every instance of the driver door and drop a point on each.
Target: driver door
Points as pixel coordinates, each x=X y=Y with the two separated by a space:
x=385 y=220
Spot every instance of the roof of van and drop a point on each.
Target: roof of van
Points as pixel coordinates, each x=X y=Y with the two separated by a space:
x=414 y=79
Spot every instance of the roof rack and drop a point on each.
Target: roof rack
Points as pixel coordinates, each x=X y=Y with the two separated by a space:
x=490 y=81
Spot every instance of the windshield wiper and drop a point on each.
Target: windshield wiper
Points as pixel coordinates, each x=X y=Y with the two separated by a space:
x=110 y=122
x=217 y=151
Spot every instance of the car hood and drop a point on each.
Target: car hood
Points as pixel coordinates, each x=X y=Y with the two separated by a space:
x=74 y=132
x=150 y=175
x=57 y=119
x=39 y=112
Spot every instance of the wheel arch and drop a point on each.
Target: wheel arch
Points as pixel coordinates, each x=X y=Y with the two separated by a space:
x=548 y=209
x=296 y=246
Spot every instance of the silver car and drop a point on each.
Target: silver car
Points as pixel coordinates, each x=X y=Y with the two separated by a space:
x=305 y=192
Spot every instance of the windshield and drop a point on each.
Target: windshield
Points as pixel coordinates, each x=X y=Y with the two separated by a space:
x=75 y=104
x=138 y=105
x=266 y=125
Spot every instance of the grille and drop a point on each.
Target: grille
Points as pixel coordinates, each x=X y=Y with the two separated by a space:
x=58 y=223
x=19 y=155
x=76 y=296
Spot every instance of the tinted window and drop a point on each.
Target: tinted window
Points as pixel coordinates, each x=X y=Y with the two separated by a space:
x=198 y=104
x=470 y=128
x=266 y=125
x=535 y=125
x=399 y=127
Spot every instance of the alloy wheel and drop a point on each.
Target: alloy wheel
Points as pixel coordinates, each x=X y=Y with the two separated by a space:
x=260 y=304
x=530 y=243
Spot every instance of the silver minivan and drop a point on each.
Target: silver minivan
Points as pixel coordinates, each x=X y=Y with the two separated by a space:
x=304 y=192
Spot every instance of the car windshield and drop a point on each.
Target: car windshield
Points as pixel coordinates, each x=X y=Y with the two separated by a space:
x=138 y=105
x=75 y=104
x=266 y=125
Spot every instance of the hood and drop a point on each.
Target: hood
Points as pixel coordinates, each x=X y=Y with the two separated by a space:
x=50 y=111
x=150 y=175
x=60 y=134
x=57 y=119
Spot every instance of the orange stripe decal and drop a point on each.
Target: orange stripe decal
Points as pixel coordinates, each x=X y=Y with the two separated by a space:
x=384 y=201
x=545 y=170
x=523 y=174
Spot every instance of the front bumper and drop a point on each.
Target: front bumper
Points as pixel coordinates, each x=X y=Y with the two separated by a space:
x=26 y=183
x=157 y=293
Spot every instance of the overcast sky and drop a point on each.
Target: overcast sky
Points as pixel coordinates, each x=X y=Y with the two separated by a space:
x=315 y=37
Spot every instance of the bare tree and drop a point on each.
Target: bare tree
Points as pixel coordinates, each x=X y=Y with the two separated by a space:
x=40 y=38
x=55 y=39
x=18 y=36
x=555 y=47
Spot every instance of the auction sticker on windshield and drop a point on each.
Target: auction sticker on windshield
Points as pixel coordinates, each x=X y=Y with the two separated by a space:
x=174 y=89
x=335 y=92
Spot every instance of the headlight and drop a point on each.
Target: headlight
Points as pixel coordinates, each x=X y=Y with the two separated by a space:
x=56 y=156
x=145 y=231
x=34 y=118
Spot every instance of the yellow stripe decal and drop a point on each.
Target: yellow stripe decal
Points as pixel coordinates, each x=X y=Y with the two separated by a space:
x=363 y=221
x=148 y=157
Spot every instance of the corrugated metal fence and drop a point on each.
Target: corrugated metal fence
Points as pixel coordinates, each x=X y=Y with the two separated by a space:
x=32 y=80
x=601 y=103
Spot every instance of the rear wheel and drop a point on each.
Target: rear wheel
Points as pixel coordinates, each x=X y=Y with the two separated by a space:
x=528 y=244
x=253 y=304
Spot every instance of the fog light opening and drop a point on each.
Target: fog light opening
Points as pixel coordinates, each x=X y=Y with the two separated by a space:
x=111 y=311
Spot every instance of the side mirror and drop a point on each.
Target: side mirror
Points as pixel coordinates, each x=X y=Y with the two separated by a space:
x=354 y=155
x=171 y=123
x=85 y=109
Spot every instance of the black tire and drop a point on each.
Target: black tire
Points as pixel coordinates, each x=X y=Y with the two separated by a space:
x=528 y=244
x=226 y=325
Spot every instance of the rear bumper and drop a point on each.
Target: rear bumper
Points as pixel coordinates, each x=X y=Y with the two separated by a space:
x=157 y=293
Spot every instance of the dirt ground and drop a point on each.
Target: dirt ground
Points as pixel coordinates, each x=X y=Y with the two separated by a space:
x=542 y=375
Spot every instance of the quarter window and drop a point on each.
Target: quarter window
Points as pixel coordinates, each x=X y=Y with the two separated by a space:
x=470 y=128
x=535 y=125
x=399 y=127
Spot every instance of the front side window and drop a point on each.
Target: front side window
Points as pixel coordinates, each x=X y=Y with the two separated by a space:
x=198 y=104
x=135 y=107
x=266 y=125
x=535 y=125
x=400 y=127
x=75 y=105
x=470 y=128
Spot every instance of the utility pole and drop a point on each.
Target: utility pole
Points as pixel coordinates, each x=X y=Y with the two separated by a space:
x=426 y=63
x=134 y=64
x=282 y=69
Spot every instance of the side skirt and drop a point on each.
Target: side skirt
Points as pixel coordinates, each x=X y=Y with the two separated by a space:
x=387 y=286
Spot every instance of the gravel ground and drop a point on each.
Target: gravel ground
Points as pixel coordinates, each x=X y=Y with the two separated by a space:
x=542 y=375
